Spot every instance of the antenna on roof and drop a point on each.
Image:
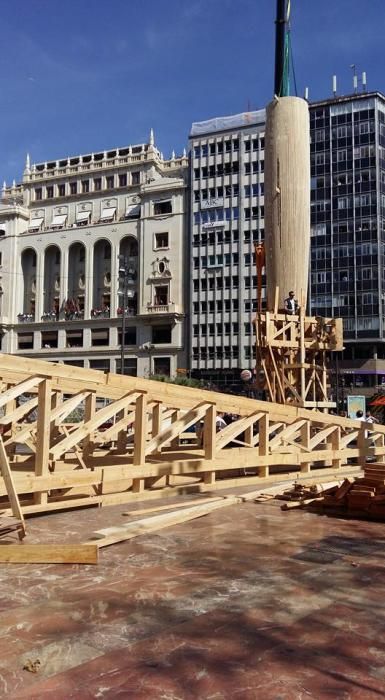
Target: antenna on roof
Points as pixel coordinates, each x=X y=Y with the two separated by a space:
x=364 y=86
x=355 y=77
x=334 y=85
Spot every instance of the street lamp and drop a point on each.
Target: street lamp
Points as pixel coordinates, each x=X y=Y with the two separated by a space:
x=125 y=276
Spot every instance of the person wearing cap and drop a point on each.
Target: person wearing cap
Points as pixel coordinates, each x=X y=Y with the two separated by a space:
x=291 y=304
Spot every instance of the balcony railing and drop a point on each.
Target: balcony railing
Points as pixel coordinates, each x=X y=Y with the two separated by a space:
x=161 y=308
x=26 y=318
x=100 y=313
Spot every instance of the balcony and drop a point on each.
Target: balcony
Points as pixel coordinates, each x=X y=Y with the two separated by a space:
x=170 y=308
x=100 y=313
x=26 y=318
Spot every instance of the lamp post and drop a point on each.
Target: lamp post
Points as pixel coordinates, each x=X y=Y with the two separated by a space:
x=125 y=276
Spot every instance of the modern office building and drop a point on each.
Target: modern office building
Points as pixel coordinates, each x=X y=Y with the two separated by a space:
x=227 y=210
x=348 y=230
x=77 y=236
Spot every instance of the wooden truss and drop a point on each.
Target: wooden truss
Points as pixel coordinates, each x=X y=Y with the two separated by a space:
x=130 y=441
x=292 y=356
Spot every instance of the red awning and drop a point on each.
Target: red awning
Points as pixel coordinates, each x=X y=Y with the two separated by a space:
x=380 y=401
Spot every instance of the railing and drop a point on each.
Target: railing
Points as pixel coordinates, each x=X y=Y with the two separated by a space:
x=160 y=308
x=128 y=312
x=100 y=313
x=26 y=318
x=50 y=316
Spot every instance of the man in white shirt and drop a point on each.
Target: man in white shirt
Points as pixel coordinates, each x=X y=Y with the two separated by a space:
x=220 y=423
x=291 y=304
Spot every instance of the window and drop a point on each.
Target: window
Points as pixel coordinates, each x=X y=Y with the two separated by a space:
x=97 y=184
x=73 y=187
x=341 y=155
x=74 y=339
x=161 y=240
x=108 y=214
x=49 y=339
x=61 y=190
x=319 y=158
x=110 y=182
x=161 y=334
x=364 y=127
x=342 y=203
x=38 y=193
x=85 y=186
x=163 y=207
x=161 y=295
x=135 y=178
x=162 y=365
x=25 y=341
x=129 y=336
x=122 y=180
x=99 y=336
x=130 y=366
x=49 y=192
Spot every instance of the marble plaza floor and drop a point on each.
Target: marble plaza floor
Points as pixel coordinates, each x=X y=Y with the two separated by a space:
x=246 y=603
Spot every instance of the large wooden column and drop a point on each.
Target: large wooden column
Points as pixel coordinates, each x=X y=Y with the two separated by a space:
x=287 y=198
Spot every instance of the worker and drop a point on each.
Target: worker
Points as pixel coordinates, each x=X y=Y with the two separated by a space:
x=291 y=304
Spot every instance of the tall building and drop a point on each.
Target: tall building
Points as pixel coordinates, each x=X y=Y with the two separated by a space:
x=82 y=236
x=227 y=218
x=348 y=230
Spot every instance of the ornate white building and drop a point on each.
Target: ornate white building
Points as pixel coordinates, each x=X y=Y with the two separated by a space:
x=66 y=233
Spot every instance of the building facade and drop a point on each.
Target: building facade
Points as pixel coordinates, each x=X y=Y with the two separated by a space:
x=348 y=230
x=226 y=219
x=81 y=238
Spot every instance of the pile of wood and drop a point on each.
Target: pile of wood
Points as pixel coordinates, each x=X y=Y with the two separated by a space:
x=363 y=496
x=304 y=494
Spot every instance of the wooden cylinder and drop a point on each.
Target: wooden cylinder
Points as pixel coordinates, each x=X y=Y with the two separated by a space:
x=287 y=199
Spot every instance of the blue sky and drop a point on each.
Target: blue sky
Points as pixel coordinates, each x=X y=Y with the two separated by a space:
x=84 y=75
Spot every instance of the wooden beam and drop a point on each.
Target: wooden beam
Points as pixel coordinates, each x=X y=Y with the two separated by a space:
x=112 y=535
x=140 y=429
x=10 y=487
x=209 y=432
x=43 y=434
x=19 y=412
x=23 y=388
x=49 y=553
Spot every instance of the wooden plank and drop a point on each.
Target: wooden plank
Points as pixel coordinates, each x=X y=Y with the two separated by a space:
x=140 y=429
x=113 y=535
x=172 y=506
x=49 y=553
x=286 y=433
x=43 y=434
x=10 y=486
x=209 y=432
x=23 y=388
x=19 y=412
